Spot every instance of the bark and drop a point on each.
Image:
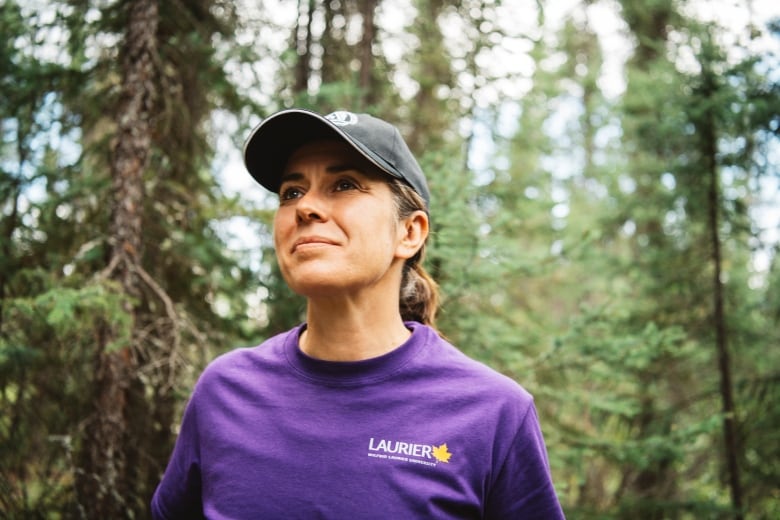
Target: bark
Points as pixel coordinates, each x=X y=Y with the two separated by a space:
x=367 y=10
x=107 y=479
x=731 y=448
x=6 y=258
x=9 y=225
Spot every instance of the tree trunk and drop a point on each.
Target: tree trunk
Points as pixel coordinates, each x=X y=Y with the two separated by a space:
x=367 y=10
x=303 y=45
x=709 y=139
x=107 y=478
x=6 y=259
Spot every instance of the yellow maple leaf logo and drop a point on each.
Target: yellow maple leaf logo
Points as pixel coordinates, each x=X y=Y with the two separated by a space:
x=441 y=454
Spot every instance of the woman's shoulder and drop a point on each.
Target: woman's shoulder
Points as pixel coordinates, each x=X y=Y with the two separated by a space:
x=466 y=373
x=237 y=363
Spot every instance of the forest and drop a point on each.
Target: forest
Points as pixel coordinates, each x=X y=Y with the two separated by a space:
x=605 y=179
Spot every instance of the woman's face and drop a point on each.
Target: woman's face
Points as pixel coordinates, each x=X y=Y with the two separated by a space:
x=336 y=230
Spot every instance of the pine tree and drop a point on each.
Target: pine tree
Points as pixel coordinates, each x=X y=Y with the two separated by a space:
x=156 y=323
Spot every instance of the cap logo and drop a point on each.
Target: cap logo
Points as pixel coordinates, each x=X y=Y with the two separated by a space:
x=342 y=118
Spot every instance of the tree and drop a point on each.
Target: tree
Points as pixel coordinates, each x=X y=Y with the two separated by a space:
x=728 y=145
x=168 y=297
x=707 y=130
x=40 y=348
x=107 y=475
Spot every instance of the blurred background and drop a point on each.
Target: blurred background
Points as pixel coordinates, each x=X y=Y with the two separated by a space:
x=606 y=217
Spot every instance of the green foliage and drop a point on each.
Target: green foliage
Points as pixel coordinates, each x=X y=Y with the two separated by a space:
x=57 y=308
x=639 y=422
x=45 y=364
x=65 y=310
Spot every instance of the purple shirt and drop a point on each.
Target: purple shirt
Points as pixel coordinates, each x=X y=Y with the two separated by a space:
x=421 y=432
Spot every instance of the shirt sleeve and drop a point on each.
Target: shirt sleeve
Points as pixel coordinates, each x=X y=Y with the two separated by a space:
x=523 y=487
x=179 y=493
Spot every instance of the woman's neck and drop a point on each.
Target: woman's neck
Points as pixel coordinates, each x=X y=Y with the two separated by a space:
x=352 y=331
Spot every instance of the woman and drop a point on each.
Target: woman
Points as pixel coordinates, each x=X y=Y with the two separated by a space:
x=363 y=411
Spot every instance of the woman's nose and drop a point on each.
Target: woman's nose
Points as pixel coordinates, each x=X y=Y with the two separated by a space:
x=311 y=208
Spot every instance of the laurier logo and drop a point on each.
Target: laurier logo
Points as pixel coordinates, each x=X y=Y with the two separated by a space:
x=441 y=454
x=408 y=451
x=342 y=118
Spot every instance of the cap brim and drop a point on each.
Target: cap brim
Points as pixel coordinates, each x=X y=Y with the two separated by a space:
x=271 y=143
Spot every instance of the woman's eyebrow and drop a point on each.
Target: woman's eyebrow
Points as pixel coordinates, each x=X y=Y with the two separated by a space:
x=338 y=168
x=290 y=176
x=334 y=169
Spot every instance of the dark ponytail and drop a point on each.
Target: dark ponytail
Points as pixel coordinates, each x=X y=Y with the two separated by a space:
x=419 y=296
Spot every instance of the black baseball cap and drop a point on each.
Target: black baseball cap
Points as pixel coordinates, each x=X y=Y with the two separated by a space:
x=271 y=143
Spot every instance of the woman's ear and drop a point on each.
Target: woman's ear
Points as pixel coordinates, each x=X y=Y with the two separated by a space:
x=412 y=230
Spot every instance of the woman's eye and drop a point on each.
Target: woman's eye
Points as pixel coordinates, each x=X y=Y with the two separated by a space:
x=290 y=193
x=345 y=184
